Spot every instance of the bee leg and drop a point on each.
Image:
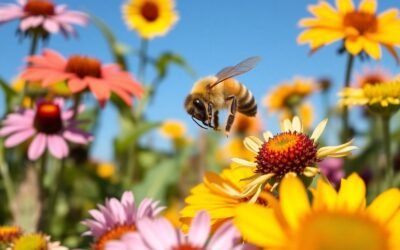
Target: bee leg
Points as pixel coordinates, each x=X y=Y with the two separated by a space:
x=231 y=117
x=209 y=114
x=216 y=120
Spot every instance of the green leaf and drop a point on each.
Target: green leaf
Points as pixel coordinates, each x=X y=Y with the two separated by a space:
x=9 y=94
x=163 y=62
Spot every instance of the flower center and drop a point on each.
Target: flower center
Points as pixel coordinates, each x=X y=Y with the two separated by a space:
x=48 y=118
x=150 y=11
x=328 y=230
x=382 y=90
x=39 y=8
x=113 y=234
x=363 y=22
x=31 y=242
x=286 y=152
x=186 y=246
x=372 y=79
x=84 y=66
x=8 y=234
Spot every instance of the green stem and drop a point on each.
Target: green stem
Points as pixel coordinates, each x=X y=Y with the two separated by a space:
x=345 y=114
x=42 y=194
x=389 y=171
x=131 y=165
x=144 y=44
x=77 y=102
x=57 y=187
x=8 y=184
x=32 y=51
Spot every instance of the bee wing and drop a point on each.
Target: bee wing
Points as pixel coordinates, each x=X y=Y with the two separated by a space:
x=240 y=68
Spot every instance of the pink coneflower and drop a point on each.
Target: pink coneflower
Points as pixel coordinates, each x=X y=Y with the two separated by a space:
x=49 y=127
x=372 y=76
x=333 y=169
x=116 y=218
x=42 y=16
x=159 y=234
x=82 y=72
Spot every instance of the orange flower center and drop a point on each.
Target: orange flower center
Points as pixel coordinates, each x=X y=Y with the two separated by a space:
x=9 y=233
x=372 y=80
x=84 y=66
x=150 y=11
x=48 y=118
x=113 y=234
x=39 y=8
x=186 y=247
x=363 y=22
x=286 y=152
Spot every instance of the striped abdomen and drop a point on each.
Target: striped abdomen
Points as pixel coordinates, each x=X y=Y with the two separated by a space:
x=246 y=104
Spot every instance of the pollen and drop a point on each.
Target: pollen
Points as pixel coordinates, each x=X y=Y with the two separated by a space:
x=39 y=8
x=149 y=11
x=286 y=152
x=361 y=21
x=84 y=66
x=48 y=118
x=113 y=234
x=9 y=233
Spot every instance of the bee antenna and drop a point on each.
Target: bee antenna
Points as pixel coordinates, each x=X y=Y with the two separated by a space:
x=198 y=123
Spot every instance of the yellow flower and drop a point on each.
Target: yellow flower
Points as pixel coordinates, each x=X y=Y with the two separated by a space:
x=289 y=95
x=306 y=114
x=219 y=195
x=9 y=233
x=35 y=241
x=245 y=124
x=105 y=170
x=360 y=29
x=334 y=220
x=173 y=129
x=382 y=98
x=150 y=18
x=291 y=151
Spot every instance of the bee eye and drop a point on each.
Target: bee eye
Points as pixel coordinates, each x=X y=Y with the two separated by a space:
x=198 y=104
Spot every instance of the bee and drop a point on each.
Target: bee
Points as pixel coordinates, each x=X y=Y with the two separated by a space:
x=222 y=91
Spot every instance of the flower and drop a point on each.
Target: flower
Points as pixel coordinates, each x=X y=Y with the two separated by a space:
x=160 y=234
x=306 y=114
x=173 y=129
x=291 y=151
x=105 y=170
x=35 y=241
x=42 y=16
x=372 y=76
x=9 y=233
x=245 y=124
x=82 y=72
x=380 y=98
x=150 y=18
x=360 y=29
x=334 y=220
x=49 y=127
x=117 y=217
x=219 y=195
x=332 y=168
x=289 y=95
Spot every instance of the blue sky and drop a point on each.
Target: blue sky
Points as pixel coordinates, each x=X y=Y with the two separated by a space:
x=209 y=35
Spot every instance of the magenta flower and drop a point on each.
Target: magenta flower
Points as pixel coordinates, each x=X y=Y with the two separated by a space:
x=332 y=168
x=44 y=15
x=116 y=217
x=159 y=234
x=49 y=127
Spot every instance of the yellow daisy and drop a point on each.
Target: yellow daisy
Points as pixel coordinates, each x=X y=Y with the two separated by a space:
x=361 y=30
x=150 y=18
x=289 y=95
x=9 y=234
x=334 y=220
x=173 y=129
x=220 y=195
x=291 y=151
x=246 y=124
x=381 y=98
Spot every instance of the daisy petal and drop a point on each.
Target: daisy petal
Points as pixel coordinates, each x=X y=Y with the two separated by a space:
x=37 y=147
x=19 y=137
x=199 y=229
x=318 y=130
x=57 y=146
x=351 y=195
x=385 y=205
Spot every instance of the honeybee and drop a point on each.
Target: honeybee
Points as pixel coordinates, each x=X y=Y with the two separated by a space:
x=213 y=93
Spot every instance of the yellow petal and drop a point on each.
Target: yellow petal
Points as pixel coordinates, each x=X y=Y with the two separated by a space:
x=318 y=130
x=345 y=6
x=385 y=205
x=393 y=227
x=373 y=49
x=368 y=6
x=351 y=195
x=354 y=45
x=259 y=225
x=294 y=201
x=324 y=196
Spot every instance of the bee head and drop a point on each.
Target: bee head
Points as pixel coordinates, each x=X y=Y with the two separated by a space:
x=195 y=106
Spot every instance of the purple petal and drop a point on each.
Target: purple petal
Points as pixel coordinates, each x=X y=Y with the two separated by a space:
x=6 y=130
x=97 y=215
x=51 y=26
x=37 y=146
x=74 y=17
x=31 y=22
x=76 y=136
x=145 y=209
x=150 y=231
x=57 y=146
x=128 y=241
x=19 y=137
x=225 y=237
x=117 y=210
x=199 y=229
x=10 y=12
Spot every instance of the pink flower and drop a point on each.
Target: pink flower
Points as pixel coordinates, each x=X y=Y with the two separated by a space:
x=332 y=168
x=42 y=14
x=49 y=127
x=118 y=217
x=159 y=234
x=81 y=73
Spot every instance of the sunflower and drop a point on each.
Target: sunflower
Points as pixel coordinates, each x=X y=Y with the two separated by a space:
x=334 y=220
x=150 y=18
x=219 y=195
x=291 y=151
x=361 y=30
x=381 y=98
